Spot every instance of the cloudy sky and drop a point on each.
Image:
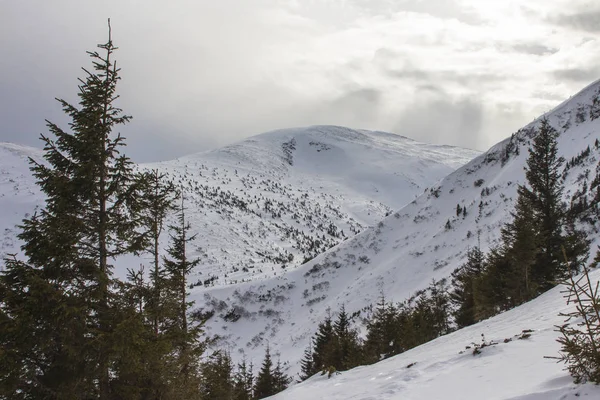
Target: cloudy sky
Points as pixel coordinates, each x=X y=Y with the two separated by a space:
x=198 y=74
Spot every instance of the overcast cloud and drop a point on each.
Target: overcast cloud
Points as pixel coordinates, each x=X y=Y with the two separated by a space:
x=198 y=74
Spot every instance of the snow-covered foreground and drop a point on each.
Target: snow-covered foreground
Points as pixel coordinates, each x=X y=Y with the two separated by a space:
x=444 y=369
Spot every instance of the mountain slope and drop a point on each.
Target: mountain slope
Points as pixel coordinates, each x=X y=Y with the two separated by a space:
x=18 y=193
x=514 y=368
x=424 y=240
x=274 y=200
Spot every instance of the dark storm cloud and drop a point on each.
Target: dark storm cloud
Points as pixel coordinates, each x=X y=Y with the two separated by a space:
x=586 y=20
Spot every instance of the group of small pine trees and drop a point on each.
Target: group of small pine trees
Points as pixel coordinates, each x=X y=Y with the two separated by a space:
x=220 y=380
x=530 y=260
x=69 y=328
x=391 y=330
x=335 y=347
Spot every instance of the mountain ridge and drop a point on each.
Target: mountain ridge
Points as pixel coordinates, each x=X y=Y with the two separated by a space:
x=256 y=210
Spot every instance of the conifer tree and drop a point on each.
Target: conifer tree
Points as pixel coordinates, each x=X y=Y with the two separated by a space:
x=440 y=307
x=323 y=345
x=521 y=246
x=63 y=294
x=137 y=371
x=528 y=261
x=265 y=382
x=243 y=382
x=462 y=295
x=217 y=377
x=490 y=288
x=157 y=202
x=545 y=197
x=280 y=379
x=382 y=340
x=533 y=240
x=185 y=336
x=346 y=353
x=307 y=364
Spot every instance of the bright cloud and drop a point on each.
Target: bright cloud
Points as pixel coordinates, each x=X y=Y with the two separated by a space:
x=199 y=74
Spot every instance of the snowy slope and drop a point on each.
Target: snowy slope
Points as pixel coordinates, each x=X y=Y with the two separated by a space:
x=274 y=200
x=277 y=199
x=445 y=369
x=18 y=193
x=403 y=252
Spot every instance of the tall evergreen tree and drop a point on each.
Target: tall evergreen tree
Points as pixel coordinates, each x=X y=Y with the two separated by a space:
x=63 y=295
x=545 y=195
x=157 y=202
x=185 y=336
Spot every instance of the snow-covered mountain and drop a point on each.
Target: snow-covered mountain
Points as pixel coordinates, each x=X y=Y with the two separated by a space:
x=270 y=202
x=401 y=254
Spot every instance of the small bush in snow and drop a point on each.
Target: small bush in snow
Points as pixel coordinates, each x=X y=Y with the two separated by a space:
x=580 y=341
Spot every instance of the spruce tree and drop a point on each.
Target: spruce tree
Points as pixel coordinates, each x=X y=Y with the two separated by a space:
x=280 y=379
x=491 y=287
x=382 y=340
x=63 y=295
x=545 y=194
x=346 y=353
x=157 y=202
x=462 y=295
x=217 y=377
x=243 y=382
x=440 y=307
x=185 y=336
x=323 y=345
x=265 y=382
x=307 y=364
x=521 y=246
x=540 y=220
